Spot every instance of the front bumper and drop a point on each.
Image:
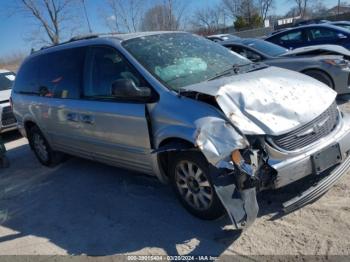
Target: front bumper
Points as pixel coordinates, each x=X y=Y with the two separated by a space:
x=314 y=192
x=293 y=166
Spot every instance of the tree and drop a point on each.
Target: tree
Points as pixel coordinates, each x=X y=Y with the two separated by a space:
x=264 y=7
x=126 y=15
x=231 y=7
x=53 y=17
x=241 y=23
x=302 y=6
x=208 y=20
x=165 y=16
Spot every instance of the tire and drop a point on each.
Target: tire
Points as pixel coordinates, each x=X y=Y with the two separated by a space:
x=188 y=172
x=320 y=76
x=42 y=149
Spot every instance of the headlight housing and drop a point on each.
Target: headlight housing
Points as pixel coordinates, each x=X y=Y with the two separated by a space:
x=342 y=63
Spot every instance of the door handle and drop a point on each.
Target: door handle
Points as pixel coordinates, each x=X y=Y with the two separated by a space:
x=73 y=117
x=87 y=119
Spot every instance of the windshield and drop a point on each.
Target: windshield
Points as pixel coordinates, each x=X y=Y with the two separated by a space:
x=344 y=26
x=267 y=47
x=6 y=80
x=181 y=59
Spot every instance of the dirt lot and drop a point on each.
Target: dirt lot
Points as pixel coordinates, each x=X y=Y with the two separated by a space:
x=81 y=207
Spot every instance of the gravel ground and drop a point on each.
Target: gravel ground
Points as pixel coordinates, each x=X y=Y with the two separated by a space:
x=81 y=207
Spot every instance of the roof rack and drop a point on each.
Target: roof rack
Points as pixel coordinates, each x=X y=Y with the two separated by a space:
x=74 y=38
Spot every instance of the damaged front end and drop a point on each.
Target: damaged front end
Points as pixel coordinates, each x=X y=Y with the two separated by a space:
x=239 y=168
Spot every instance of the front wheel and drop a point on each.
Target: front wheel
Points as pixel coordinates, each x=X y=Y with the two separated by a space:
x=320 y=76
x=189 y=174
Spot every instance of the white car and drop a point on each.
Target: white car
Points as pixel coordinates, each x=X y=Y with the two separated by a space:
x=7 y=119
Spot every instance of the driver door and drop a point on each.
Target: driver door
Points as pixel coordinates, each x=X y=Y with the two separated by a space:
x=117 y=127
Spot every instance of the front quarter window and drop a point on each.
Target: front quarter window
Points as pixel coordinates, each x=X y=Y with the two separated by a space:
x=182 y=59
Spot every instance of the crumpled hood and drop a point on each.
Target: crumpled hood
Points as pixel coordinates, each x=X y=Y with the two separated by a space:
x=5 y=95
x=269 y=101
x=333 y=49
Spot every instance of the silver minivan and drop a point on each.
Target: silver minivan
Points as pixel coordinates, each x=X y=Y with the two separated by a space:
x=215 y=125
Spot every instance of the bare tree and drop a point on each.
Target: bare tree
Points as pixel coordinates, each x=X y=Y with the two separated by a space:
x=52 y=17
x=126 y=15
x=175 y=13
x=231 y=7
x=264 y=7
x=302 y=6
x=209 y=19
x=168 y=15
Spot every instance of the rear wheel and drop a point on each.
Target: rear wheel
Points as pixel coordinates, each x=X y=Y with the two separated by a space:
x=189 y=173
x=320 y=76
x=42 y=149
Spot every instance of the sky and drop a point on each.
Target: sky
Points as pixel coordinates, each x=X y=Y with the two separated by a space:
x=14 y=29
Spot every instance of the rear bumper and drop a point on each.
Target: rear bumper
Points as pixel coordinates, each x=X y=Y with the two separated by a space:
x=314 y=192
x=7 y=119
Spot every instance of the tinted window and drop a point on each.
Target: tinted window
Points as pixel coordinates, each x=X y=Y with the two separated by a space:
x=6 y=80
x=106 y=67
x=238 y=50
x=61 y=73
x=344 y=26
x=322 y=33
x=180 y=59
x=292 y=36
x=26 y=80
x=267 y=47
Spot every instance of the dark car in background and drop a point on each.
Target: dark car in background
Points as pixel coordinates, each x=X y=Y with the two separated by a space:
x=343 y=24
x=316 y=34
x=222 y=37
x=324 y=63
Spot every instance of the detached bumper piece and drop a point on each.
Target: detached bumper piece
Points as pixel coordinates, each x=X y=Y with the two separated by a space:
x=318 y=190
x=241 y=205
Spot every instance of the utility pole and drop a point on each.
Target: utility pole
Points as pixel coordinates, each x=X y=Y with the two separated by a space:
x=86 y=16
x=338 y=7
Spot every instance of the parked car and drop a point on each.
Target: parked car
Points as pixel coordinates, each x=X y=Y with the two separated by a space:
x=222 y=37
x=215 y=125
x=316 y=34
x=324 y=63
x=344 y=24
x=7 y=119
x=309 y=22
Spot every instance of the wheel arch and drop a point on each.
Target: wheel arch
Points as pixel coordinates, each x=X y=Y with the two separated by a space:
x=321 y=71
x=166 y=148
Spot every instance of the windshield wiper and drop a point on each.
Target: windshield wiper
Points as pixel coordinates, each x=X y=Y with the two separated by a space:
x=257 y=67
x=235 y=68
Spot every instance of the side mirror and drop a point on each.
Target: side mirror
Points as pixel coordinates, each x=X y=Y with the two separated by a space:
x=341 y=36
x=126 y=88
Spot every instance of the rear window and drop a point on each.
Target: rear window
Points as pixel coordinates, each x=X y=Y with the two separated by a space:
x=6 y=81
x=61 y=73
x=26 y=80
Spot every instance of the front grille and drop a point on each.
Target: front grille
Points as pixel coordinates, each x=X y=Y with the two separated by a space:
x=7 y=117
x=305 y=135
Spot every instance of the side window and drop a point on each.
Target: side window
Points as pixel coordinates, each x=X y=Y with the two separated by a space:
x=61 y=73
x=110 y=76
x=238 y=50
x=26 y=79
x=294 y=36
x=321 y=34
x=247 y=53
